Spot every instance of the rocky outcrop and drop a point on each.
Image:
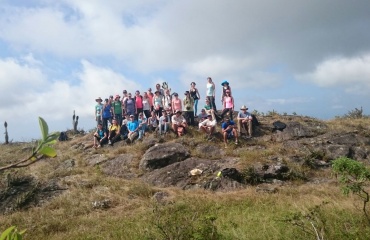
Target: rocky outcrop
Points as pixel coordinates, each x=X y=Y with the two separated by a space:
x=119 y=167
x=162 y=155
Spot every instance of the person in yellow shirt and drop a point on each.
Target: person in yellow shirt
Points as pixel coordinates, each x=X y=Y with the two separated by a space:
x=114 y=132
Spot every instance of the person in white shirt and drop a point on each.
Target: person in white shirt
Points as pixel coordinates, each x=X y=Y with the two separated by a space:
x=244 y=121
x=179 y=123
x=208 y=126
x=164 y=123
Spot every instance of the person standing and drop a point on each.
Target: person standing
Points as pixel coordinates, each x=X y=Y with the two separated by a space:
x=194 y=93
x=107 y=113
x=188 y=104
x=130 y=106
x=117 y=109
x=146 y=105
x=225 y=87
x=211 y=90
x=228 y=105
x=98 y=110
x=138 y=104
x=158 y=103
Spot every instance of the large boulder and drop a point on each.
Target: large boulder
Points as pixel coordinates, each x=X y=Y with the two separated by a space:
x=294 y=130
x=162 y=155
x=180 y=174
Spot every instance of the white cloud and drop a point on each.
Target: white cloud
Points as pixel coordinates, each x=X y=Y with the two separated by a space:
x=350 y=73
x=55 y=100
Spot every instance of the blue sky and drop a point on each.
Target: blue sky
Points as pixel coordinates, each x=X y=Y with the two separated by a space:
x=309 y=57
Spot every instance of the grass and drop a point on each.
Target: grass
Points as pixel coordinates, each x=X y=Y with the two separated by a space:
x=190 y=214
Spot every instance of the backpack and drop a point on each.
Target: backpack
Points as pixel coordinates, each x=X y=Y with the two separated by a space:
x=255 y=120
x=279 y=125
x=63 y=136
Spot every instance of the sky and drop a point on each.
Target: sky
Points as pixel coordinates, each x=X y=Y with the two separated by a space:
x=290 y=56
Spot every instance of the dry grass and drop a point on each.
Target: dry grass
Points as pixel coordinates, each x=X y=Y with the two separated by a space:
x=133 y=214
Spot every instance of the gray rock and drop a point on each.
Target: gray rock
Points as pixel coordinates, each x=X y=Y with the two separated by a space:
x=334 y=151
x=293 y=130
x=209 y=151
x=96 y=159
x=119 y=167
x=162 y=155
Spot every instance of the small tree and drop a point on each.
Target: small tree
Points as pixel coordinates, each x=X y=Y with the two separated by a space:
x=354 y=176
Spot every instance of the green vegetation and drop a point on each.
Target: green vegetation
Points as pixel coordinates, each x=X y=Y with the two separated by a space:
x=354 y=177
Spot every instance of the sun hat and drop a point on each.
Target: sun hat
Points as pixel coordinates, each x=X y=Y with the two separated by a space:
x=178 y=111
x=132 y=115
x=224 y=82
x=98 y=99
x=244 y=108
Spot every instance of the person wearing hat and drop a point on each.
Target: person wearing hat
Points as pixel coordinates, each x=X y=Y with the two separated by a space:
x=178 y=123
x=245 y=121
x=229 y=131
x=225 y=87
x=188 y=110
x=117 y=109
x=98 y=110
x=208 y=126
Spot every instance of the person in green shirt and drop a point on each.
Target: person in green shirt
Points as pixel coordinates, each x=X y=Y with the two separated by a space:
x=117 y=109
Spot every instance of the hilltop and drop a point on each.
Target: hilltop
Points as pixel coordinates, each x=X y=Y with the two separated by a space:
x=148 y=189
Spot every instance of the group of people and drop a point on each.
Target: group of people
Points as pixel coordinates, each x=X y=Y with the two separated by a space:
x=130 y=117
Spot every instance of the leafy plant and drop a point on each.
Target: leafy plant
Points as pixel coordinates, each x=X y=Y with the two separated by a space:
x=354 y=177
x=12 y=233
x=41 y=149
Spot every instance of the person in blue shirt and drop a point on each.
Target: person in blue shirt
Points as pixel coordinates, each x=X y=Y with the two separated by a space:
x=133 y=128
x=107 y=113
x=100 y=136
x=229 y=131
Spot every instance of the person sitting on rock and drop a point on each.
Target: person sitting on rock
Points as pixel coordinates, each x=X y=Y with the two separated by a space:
x=244 y=121
x=100 y=136
x=229 y=131
x=208 y=126
x=142 y=125
x=179 y=123
x=133 y=128
x=153 y=122
x=164 y=123
x=114 y=134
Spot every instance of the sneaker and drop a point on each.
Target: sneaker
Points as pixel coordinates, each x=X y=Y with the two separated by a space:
x=98 y=146
x=110 y=143
x=236 y=142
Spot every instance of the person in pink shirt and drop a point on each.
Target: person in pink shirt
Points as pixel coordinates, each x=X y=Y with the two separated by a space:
x=150 y=96
x=228 y=105
x=138 y=103
x=176 y=103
